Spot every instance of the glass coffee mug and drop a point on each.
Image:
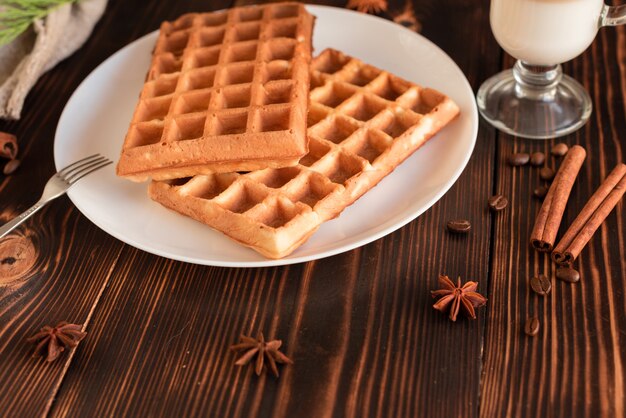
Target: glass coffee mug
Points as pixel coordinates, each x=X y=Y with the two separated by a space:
x=535 y=99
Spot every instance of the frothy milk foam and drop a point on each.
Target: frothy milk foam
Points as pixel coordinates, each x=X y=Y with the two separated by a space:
x=545 y=32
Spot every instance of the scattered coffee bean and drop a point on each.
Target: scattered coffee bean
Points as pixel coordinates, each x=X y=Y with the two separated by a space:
x=532 y=326
x=546 y=173
x=541 y=285
x=11 y=166
x=541 y=192
x=567 y=274
x=559 y=150
x=8 y=145
x=519 y=158
x=459 y=226
x=537 y=158
x=498 y=202
x=9 y=150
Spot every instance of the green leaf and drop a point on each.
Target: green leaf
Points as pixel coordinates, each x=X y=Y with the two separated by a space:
x=17 y=15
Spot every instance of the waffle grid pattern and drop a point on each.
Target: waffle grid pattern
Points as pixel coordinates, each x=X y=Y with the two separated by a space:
x=226 y=85
x=363 y=122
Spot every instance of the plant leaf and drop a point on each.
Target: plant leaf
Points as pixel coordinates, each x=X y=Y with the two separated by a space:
x=17 y=15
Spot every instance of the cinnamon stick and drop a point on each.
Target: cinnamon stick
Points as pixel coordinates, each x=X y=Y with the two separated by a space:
x=549 y=217
x=595 y=211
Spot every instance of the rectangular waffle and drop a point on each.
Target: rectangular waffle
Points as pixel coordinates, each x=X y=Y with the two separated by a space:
x=363 y=122
x=226 y=91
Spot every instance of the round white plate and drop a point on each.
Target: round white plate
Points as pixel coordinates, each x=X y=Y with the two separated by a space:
x=96 y=118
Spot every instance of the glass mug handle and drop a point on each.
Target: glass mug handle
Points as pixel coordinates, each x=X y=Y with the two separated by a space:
x=613 y=15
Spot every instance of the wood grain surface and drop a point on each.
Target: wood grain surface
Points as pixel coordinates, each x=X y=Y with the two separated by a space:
x=576 y=365
x=359 y=326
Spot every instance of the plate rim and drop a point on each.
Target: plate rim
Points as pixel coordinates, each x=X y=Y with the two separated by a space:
x=405 y=219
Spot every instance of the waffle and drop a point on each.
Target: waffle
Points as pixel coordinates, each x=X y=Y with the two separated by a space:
x=226 y=91
x=362 y=123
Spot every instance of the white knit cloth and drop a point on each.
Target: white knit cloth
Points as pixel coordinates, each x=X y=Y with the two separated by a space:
x=47 y=42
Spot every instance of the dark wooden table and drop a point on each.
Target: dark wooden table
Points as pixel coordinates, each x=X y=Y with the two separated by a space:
x=360 y=325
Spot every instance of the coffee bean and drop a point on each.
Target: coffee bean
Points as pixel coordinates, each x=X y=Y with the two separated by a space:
x=559 y=149
x=567 y=274
x=541 y=192
x=10 y=167
x=546 y=173
x=8 y=145
x=459 y=226
x=10 y=150
x=498 y=202
x=532 y=326
x=537 y=158
x=541 y=285
x=519 y=158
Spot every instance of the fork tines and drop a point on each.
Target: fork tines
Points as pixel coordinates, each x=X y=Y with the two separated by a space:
x=81 y=168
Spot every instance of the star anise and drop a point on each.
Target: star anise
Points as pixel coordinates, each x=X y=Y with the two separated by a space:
x=263 y=350
x=455 y=297
x=51 y=342
x=368 y=6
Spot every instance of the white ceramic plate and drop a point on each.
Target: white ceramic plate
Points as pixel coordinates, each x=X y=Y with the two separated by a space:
x=96 y=118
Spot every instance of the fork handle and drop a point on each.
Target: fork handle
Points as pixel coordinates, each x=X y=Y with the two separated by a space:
x=13 y=223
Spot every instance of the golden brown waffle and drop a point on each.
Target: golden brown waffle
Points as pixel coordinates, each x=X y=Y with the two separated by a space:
x=363 y=122
x=226 y=91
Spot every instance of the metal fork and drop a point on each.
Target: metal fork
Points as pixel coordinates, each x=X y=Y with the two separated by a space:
x=58 y=185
